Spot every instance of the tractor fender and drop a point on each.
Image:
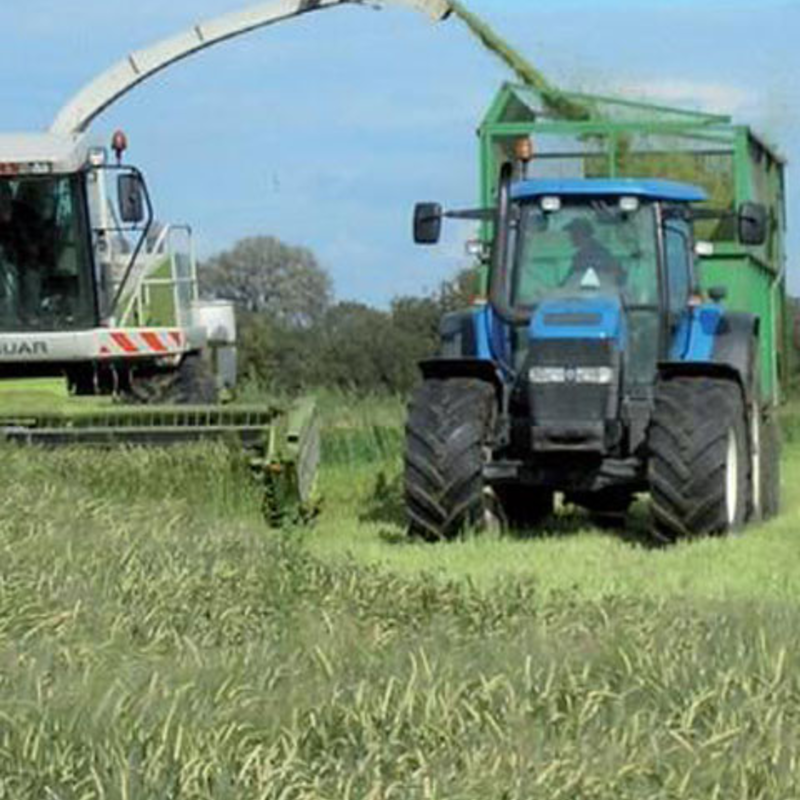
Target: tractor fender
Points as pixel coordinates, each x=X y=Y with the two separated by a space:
x=478 y=368
x=474 y=332
x=459 y=335
x=722 y=344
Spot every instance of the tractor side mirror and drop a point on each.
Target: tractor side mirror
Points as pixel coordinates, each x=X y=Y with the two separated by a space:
x=130 y=197
x=427 y=223
x=752 y=223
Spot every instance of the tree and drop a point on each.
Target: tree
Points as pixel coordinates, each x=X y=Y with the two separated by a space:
x=263 y=275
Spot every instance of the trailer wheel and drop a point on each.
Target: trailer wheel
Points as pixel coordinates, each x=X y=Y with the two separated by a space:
x=699 y=466
x=447 y=443
x=770 y=467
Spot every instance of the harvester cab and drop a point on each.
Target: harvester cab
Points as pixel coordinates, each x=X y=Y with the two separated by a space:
x=90 y=287
x=600 y=363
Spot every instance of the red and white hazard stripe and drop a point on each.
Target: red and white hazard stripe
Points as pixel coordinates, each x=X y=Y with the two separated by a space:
x=142 y=342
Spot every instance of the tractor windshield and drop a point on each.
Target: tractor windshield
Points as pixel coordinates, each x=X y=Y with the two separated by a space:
x=45 y=264
x=586 y=245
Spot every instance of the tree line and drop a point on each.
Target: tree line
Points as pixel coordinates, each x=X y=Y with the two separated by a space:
x=294 y=336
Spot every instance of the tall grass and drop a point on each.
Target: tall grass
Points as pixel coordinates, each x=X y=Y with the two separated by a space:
x=158 y=641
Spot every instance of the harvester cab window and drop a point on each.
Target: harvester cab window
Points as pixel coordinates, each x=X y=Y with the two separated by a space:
x=45 y=270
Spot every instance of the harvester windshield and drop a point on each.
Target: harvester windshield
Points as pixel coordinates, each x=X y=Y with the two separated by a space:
x=45 y=264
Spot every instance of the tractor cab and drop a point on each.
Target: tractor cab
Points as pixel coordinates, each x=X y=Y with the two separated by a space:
x=601 y=261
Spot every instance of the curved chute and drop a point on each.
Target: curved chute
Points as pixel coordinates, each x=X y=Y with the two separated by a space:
x=75 y=117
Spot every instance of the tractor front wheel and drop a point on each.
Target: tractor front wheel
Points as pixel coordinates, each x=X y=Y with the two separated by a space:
x=699 y=466
x=448 y=441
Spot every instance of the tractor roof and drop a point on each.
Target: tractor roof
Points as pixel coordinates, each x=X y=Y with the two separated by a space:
x=652 y=189
x=29 y=151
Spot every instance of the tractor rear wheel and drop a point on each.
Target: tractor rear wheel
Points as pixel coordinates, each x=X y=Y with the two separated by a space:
x=699 y=467
x=448 y=436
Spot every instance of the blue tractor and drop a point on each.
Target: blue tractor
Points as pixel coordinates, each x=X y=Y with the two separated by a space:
x=595 y=369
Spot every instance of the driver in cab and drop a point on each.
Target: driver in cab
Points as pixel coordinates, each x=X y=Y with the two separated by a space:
x=593 y=265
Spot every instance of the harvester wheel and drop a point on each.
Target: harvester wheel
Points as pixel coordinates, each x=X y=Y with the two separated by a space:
x=525 y=507
x=447 y=438
x=699 y=466
x=191 y=384
x=194 y=383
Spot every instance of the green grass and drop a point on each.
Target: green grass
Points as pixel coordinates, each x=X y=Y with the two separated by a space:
x=158 y=641
x=364 y=524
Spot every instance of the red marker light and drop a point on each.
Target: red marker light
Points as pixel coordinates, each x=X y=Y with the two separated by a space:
x=119 y=144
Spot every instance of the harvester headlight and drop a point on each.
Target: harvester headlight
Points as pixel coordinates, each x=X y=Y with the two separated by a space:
x=98 y=156
x=591 y=375
x=628 y=205
x=28 y=168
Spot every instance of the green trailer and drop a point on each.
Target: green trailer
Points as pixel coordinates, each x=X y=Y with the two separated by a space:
x=620 y=138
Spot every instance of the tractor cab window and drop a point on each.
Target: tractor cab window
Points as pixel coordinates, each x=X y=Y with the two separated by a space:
x=45 y=267
x=677 y=255
x=591 y=247
x=585 y=246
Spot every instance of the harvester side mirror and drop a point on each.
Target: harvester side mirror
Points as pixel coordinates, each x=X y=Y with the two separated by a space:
x=427 y=223
x=130 y=197
x=752 y=223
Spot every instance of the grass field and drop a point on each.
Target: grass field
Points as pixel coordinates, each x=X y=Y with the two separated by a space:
x=158 y=641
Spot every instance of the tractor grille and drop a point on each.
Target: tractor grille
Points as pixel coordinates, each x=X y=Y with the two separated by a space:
x=572 y=381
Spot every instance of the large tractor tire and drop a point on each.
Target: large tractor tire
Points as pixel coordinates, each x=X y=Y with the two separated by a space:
x=699 y=467
x=447 y=439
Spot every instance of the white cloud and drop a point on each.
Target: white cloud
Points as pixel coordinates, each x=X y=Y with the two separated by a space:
x=714 y=97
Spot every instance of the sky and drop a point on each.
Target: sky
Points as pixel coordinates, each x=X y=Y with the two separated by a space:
x=325 y=130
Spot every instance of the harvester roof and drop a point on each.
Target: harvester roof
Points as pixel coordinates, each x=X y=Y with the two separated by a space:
x=652 y=189
x=42 y=153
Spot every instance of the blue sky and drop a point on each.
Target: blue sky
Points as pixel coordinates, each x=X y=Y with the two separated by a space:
x=325 y=130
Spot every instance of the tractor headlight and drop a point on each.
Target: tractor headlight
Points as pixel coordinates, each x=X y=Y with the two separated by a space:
x=592 y=375
x=547 y=375
x=601 y=375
